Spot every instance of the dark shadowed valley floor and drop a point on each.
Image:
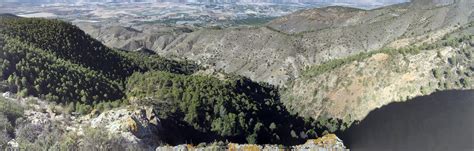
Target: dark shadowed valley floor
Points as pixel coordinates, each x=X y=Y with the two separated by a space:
x=441 y=121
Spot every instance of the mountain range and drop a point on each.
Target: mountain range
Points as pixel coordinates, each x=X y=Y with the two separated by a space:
x=209 y=1
x=300 y=47
x=295 y=78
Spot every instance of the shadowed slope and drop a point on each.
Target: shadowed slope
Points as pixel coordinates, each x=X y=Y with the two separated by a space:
x=441 y=121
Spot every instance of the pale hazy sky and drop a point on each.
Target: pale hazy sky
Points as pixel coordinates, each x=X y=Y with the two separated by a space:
x=357 y=1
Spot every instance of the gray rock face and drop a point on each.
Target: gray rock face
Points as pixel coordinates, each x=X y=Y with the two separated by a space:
x=153 y=37
x=428 y=3
x=137 y=126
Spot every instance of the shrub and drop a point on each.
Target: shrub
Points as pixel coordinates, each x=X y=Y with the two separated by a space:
x=69 y=108
x=11 y=110
x=437 y=73
x=83 y=108
x=28 y=133
x=452 y=61
x=465 y=82
x=5 y=124
x=4 y=138
x=100 y=139
x=39 y=137
x=70 y=141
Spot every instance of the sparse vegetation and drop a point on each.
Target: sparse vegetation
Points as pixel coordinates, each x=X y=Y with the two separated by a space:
x=9 y=112
x=437 y=73
x=99 y=139
x=50 y=137
x=451 y=69
x=335 y=63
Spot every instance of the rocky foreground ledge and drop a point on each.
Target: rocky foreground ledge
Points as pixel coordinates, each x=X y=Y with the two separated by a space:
x=329 y=142
x=138 y=124
x=134 y=126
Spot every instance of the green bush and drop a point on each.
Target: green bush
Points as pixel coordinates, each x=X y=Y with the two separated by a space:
x=39 y=137
x=437 y=73
x=83 y=108
x=100 y=139
x=336 y=63
x=4 y=138
x=11 y=110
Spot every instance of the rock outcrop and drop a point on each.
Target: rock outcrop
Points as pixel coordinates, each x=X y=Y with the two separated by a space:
x=131 y=126
x=137 y=126
x=326 y=142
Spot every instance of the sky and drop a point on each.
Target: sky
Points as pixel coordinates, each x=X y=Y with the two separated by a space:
x=334 y=1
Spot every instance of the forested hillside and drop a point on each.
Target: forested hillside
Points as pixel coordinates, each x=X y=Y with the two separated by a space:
x=55 y=60
x=32 y=71
x=235 y=109
x=70 y=43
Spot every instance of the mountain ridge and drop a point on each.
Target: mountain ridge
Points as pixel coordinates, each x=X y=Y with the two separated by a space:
x=327 y=40
x=274 y=55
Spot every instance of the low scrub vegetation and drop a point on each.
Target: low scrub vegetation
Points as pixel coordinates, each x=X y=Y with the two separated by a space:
x=9 y=112
x=448 y=40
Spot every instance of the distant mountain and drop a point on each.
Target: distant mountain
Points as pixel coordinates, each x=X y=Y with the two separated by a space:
x=211 y=1
x=279 y=51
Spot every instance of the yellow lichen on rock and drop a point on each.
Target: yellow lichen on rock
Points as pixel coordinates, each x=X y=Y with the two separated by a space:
x=190 y=147
x=232 y=147
x=131 y=124
x=251 y=147
x=327 y=141
x=243 y=147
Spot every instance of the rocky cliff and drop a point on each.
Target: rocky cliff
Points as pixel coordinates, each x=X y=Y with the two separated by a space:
x=350 y=88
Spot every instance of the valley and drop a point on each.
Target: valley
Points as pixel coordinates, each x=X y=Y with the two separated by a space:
x=319 y=78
